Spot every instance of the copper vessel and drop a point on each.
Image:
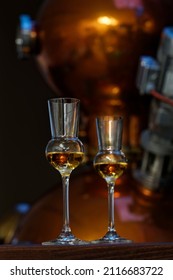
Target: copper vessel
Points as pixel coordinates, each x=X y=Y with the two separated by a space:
x=88 y=44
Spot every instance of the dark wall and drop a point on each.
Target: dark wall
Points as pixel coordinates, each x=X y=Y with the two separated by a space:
x=24 y=126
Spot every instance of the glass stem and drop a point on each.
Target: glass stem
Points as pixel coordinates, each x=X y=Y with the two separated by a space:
x=111 y=224
x=66 y=219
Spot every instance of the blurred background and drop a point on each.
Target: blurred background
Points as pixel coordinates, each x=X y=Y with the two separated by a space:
x=24 y=118
x=96 y=61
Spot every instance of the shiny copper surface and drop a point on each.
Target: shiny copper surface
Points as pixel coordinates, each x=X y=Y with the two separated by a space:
x=89 y=44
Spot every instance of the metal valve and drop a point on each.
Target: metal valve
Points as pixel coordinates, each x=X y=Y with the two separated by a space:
x=155 y=77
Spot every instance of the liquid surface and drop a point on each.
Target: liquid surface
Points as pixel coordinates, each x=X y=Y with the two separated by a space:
x=65 y=162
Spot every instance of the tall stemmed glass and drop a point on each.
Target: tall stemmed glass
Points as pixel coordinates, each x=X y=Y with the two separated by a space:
x=110 y=163
x=64 y=152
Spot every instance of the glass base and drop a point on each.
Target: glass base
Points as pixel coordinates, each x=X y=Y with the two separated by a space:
x=65 y=239
x=111 y=237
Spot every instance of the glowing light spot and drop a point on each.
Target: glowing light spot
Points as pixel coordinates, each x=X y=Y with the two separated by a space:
x=107 y=21
x=116 y=90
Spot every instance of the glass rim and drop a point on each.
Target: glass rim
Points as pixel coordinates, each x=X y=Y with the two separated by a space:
x=63 y=100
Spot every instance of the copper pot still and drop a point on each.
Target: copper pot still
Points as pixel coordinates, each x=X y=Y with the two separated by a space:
x=90 y=50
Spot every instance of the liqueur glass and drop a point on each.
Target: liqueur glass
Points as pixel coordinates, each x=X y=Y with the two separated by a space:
x=64 y=152
x=110 y=163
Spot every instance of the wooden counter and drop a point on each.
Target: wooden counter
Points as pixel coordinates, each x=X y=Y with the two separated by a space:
x=133 y=251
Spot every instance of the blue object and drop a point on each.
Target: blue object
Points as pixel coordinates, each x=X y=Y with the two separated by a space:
x=25 y=22
x=22 y=208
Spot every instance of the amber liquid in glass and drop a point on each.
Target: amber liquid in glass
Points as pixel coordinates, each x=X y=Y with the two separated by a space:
x=65 y=162
x=110 y=170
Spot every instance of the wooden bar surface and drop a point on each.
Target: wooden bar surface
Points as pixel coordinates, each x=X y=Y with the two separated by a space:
x=136 y=251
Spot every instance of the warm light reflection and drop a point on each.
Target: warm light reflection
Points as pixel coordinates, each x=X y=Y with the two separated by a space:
x=107 y=21
x=148 y=26
x=33 y=34
x=116 y=90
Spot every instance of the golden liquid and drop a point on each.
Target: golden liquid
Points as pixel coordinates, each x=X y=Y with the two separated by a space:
x=110 y=170
x=65 y=162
